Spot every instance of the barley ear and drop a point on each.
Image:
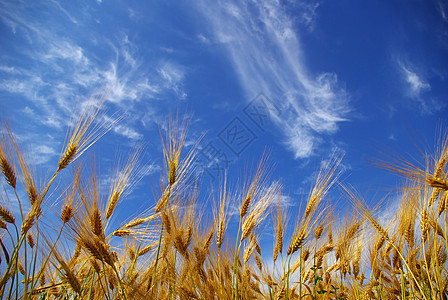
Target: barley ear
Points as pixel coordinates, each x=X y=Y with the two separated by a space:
x=297 y=242
x=172 y=172
x=6 y=215
x=30 y=239
x=95 y=223
x=8 y=171
x=112 y=203
x=67 y=158
x=67 y=214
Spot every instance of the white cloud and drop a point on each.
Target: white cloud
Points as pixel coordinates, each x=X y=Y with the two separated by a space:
x=417 y=88
x=307 y=10
x=173 y=76
x=60 y=71
x=128 y=132
x=442 y=7
x=65 y=12
x=7 y=69
x=42 y=153
x=267 y=56
x=44 y=149
x=416 y=83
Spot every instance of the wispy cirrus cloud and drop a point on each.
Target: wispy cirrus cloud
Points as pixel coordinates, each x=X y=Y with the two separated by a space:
x=418 y=88
x=416 y=83
x=266 y=54
x=56 y=70
x=442 y=7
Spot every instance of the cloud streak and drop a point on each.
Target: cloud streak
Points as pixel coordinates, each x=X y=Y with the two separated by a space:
x=267 y=56
x=60 y=70
x=417 y=88
x=416 y=83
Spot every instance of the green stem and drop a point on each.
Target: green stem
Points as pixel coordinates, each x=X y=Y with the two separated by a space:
x=13 y=260
x=119 y=282
x=47 y=259
x=91 y=285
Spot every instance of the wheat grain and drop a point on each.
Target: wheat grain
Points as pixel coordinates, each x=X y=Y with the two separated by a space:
x=297 y=242
x=112 y=203
x=137 y=222
x=122 y=232
x=220 y=234
x=8 y=171
x=30 y=239
x=67 y=157
x=95 y=223
x=6 y=215
x=318 y=232
x=67 y=214
x=437 y=183
x=424 y=224
x=29 y=221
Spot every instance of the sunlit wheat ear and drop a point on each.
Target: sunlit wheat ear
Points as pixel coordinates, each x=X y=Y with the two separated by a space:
x=438 y=183
x=297 y=242
x=85 y=132
x=172 y=172
x=23 y=161
x=442 y=153
x=97 y=248
x=32 y=193
x=326 y=178
x=147 y=248
x=30 y=218
x=30 y=239
x=437 y=228
x=67 y=157
x=66 y=214
x=112 y=203
x=366 y=213
x=96 y=224
x=122 y=232
x=250 y=247
x=8 y=171
x=163 y=201
x=255 y=186
x=278 y=242
x=124 y=180
x=173 y=144
x=306 y=254
x=424 y=224
x=318 y=232
x=70 y=276
x=20 y=267
x=245 y=204
x=262 y=201
x=6 y=215
x=220 y=214
x=220 y=234
x=278 y=247
x=137 y=221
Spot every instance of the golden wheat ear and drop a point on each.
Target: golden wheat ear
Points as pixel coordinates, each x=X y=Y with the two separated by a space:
x=86 y=131
x=124 y=180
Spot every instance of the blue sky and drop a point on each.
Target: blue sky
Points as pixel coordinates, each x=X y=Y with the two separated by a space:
x=300 y=78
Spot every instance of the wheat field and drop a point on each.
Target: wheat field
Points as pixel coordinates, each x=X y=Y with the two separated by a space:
x=174 y=251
